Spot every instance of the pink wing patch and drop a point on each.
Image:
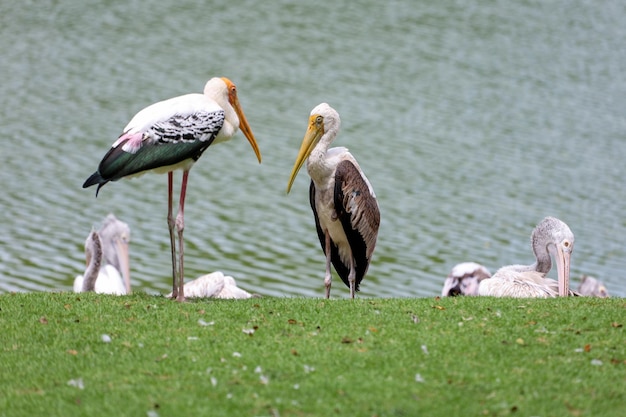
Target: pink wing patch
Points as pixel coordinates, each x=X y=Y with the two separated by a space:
x=131 y=142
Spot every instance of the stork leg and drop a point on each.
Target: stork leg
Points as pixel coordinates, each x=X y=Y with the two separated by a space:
x=352 y=278
x=180 y=227
x=328 y=278
x=171 y=224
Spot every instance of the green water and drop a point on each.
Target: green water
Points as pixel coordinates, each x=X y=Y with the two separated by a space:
x=472 y=119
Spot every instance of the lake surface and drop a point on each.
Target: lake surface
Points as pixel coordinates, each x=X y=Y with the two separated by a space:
x=472 y=119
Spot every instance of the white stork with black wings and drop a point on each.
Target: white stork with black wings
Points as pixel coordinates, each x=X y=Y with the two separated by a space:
x=170 y=135
x=343 y=201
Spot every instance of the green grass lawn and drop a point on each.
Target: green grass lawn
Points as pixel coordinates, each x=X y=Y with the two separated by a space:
x=68 y=354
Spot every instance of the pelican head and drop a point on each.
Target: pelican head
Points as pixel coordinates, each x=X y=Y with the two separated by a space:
x=324 y=121
x=115 y=236
x=224 y=92
x=464 y=279
x=552 y=237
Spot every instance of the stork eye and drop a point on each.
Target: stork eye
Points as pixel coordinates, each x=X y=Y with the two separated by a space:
x=319 y=119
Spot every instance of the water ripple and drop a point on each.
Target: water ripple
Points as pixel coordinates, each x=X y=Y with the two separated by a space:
x=472 y=121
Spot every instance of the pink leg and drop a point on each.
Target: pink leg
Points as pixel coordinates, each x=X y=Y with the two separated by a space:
x=352 y=277
x=170 y=225
x=180 y=227
x=328 y=278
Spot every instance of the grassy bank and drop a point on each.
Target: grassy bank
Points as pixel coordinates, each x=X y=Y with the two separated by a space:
x=85 y=354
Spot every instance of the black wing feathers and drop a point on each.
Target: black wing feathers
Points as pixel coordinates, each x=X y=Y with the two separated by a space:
x=167 y=142
x=342 y=270
x=117 y=163
x=358 y=212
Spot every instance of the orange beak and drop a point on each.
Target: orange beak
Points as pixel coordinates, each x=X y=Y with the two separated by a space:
x=243 y=122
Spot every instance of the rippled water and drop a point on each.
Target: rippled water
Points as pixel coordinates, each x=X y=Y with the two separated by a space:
x=472 y=119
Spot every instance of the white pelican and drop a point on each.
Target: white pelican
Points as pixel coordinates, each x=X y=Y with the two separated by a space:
x=343 y=201
x=551 y=237
x=171 y=135
x=106 y=253
x=115 y=236
x=231 y=290
x=214 y=285
x=464 y=279
x=592 y=287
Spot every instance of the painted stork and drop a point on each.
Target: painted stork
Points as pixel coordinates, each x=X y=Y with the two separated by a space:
x=551 y=237
x=464 y=279
x=343 y=201
x=170 y=135
x=106 y=253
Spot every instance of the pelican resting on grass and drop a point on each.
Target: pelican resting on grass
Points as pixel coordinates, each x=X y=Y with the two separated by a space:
x=343 y=201
x=592 y=287
x=108 y=267
x=551 y=237
x=171 y=135
x=214 y=285
x=464 y=279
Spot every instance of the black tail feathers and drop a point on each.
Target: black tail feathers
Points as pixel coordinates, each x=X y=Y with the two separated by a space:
x=94 y=179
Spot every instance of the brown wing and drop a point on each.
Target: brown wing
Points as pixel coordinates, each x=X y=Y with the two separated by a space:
x=357 y=209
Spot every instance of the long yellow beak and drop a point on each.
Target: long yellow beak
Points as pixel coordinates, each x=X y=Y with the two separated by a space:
x=311 y=139
x=243 y=122
x=562 y=266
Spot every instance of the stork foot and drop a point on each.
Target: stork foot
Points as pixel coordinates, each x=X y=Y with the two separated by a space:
x=328 y=280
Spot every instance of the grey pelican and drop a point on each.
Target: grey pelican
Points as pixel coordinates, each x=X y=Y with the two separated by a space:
x=551 y=237
x=464 y=279
x=106 y=251
x=343 y=201
x=592 y=287
x=170 y=135
x=115 y=236
x=215 y=285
